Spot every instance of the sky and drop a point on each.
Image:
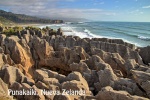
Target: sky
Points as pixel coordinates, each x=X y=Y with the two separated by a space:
x=96 y=10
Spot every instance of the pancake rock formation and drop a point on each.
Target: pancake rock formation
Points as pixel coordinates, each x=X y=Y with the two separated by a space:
x=59 y=67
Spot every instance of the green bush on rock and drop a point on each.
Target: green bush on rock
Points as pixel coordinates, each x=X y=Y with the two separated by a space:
x=8 y=31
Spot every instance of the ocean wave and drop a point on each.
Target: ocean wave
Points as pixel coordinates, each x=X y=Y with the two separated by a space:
x=134 y=35
x=82 y=34
x=52 y=25
x=56 y=25
x=88 y=34
x=125 y=32
x=77 y=33
x=85 y=32
x=68 y=22
x=81 y=22
x=140 y=37
x=97 y=36
x=144 y=38
x=137 y=28
x=75 y=22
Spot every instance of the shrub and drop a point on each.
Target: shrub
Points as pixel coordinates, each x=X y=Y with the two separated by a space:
x=9 y=32
x=32 y=28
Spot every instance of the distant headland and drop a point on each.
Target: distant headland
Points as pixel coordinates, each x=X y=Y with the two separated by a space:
x=9 y=18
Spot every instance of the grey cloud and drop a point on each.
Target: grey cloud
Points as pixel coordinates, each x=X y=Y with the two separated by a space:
x=19 y=2
x=70 y=13
x=48 y=8
x=27 y=2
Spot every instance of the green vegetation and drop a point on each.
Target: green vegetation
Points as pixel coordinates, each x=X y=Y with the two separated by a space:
x=53 y=32
x=32 y=28
x=8 y=31
x=4 y=21
x=46 y=29
x=21 y=18
x=12 y=31
x=17 y=28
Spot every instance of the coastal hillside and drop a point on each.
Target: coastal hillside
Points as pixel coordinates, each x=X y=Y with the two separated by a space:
x=59 y=67
x=21 y=18
x=4 y=21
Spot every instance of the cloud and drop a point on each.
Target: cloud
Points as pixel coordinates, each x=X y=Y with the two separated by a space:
x=67 y=13
x=29 y=2
x=19 y=2
x=136 y=12
x=146 y=6
x=50 y=9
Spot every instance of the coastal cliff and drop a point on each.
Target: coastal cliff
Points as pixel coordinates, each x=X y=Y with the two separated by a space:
x=106 y=69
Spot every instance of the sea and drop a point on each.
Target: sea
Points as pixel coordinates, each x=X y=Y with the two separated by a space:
x=137 y=33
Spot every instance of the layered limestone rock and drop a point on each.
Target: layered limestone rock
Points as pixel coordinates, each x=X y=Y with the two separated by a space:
x=106 y=78
x=108 y=93
x=143 y=81
x=62 y=97
x=81 y=67
x=75 y=55
x=78 y=77
x=42 y=60
x=41 y=50
x=145 y=54
x=2 y=38
x=1 y=61
x=20 y=54
x=12 y=74
x=4 y=91
x=124 y=52
x=117 y=41
x=128 y=85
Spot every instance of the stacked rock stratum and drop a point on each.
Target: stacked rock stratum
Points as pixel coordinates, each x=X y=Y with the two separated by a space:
x=106 y=69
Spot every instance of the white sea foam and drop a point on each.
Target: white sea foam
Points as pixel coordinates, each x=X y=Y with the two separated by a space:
x=52 y=25
x=83 y=32
x=144 y=38
x=80 y=22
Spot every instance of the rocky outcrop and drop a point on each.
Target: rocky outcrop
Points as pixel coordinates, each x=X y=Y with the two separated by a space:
x=1 y=29
x=117 y=41
x=145 y=54
x=106 y=77
x=108 y=93
x=4 y=91
x=59 y=32
x=20 y=54
x=80 y=67
x=2 y=38
x=40 y=74
x=142 y=79
x=38 y=95
x=12 y=74
x=78 y=77
x=62 y=97
x=100 y=68
x=113 y=59
x=1 y=60
x=128 y=85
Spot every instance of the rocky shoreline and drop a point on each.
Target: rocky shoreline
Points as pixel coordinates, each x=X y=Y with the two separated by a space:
x=106 y=69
